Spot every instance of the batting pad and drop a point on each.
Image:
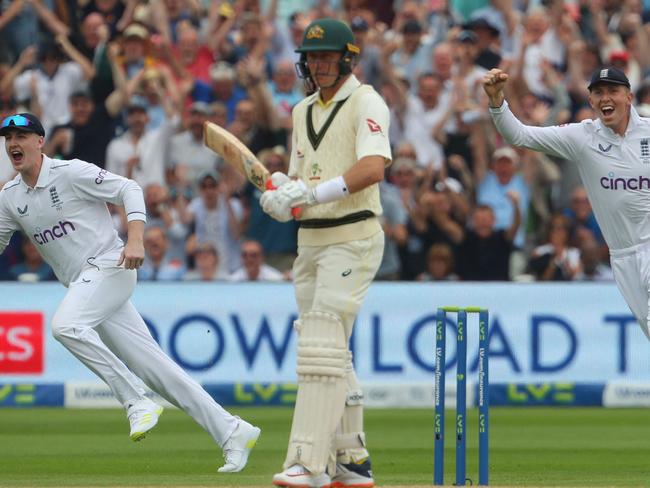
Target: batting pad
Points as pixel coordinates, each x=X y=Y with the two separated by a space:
x=322 y=390
x=350 y=441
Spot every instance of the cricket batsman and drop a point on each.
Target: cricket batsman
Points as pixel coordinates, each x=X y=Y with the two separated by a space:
x=340 y=148
x=612 y=153
x=60 y=205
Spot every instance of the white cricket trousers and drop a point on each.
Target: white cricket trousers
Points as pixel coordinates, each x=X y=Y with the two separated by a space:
x=99 y=325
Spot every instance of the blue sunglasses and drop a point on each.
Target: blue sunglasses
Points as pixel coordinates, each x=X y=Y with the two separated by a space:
x=16 y=121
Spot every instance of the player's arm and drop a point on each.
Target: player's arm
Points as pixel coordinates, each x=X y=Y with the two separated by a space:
x=7 y=224
x=561 y=141
x=90 y=182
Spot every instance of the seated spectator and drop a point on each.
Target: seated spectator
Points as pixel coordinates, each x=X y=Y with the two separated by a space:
x=440 y=264
x=188 y=156
x=278 y=239
x=284 y=91
x=206 y=265
x=581 y=216
x=253 y=266
x=484 y=254
x=217 y=217
x=592 y=266
x=556 y=260
x=32 y=268
x=158 y=266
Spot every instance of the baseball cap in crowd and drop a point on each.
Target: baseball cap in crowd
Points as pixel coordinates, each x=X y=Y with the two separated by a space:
x=24 y=122
x=137 y=102
x=200 y=108
x=136 y=31
x=505 y=152
x=467 y=36
x=411 y=26
x=481 y=23
x=222 y=71
x=359 y=24
x=610 y=75
x=83 y=93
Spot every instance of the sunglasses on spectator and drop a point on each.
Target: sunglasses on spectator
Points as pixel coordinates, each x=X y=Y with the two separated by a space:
x=250 y=254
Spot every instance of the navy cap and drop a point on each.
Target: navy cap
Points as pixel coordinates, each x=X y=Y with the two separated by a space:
x=411 y=26
x=610 y=75
x=359 y=24
x=481 y=23
x=24 y=122
x=467 y=36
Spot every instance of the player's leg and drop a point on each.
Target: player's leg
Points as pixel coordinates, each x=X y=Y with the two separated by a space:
x=95 y=295
x=632 y=276
x=353 y=466
x=342 y=276
x=128 y=336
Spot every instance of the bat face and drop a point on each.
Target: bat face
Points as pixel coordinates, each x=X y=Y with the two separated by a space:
x=236 y=154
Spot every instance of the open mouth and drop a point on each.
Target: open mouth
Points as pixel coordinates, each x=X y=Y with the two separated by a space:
x=17 y=156
x=607 y=110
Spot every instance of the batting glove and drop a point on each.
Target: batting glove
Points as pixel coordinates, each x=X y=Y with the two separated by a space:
x=297 y=194
x=276 y=205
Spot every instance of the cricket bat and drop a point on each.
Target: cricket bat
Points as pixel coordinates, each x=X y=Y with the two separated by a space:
x=235 y=153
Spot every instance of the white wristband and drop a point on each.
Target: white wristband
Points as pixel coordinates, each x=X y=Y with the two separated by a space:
x=331 y=190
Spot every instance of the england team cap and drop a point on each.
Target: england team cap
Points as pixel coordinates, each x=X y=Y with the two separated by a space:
x=24 y=122
x=609 y=75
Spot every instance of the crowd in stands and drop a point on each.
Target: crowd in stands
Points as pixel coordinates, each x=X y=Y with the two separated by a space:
x=128 y=84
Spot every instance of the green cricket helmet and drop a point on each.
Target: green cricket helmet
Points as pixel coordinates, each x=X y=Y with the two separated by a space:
x=327 y=34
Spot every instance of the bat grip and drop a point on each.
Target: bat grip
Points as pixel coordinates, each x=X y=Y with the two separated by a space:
x=295 y=211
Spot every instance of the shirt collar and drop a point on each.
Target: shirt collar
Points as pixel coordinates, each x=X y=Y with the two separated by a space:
x=44 y=175
x=345 y=90
x=612 y=136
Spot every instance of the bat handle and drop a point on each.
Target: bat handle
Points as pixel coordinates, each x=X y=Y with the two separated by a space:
x=295 y=211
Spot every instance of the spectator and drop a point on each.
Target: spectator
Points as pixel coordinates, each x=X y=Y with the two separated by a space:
x=583 y=222
x=224 y=88
x=484 y=254
x=32 y=267
x=206 y=265
x=493 y=188
x=217 y=217
x=412 y=55
x=166 y=214
x=90 y=130
x=393 y=220
x=158 y=266
x=440 y=264
x=8 y=107
x=487 y=39
x=253 y=266
x=50 y=83
x=369 y=66
x=188 y=156
x=284 y=91
x=139 y=153
x=556 y=260
x=278 y=239
x=592 y=267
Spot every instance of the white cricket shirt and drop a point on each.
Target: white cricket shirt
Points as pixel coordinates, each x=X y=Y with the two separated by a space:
x=615 y=170
x=66 y=217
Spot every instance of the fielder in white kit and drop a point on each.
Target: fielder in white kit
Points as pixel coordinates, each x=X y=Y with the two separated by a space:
x=613 y=157
x=61 y=207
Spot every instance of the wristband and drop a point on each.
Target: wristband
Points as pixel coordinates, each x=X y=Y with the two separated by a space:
x=331 y=190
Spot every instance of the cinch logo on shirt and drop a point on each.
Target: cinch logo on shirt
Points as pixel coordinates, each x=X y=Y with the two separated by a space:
x=610 y=182
x=21 y=342
x=55 y=232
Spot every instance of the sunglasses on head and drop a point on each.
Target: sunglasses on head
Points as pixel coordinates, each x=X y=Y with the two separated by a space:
x=16 y=121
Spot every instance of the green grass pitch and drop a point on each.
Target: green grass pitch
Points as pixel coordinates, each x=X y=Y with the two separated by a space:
x=528 y=447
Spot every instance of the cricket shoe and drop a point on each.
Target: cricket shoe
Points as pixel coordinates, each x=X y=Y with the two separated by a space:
x=143 y=416
x=353 y=475
x=238 y=446
x=298 y=476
